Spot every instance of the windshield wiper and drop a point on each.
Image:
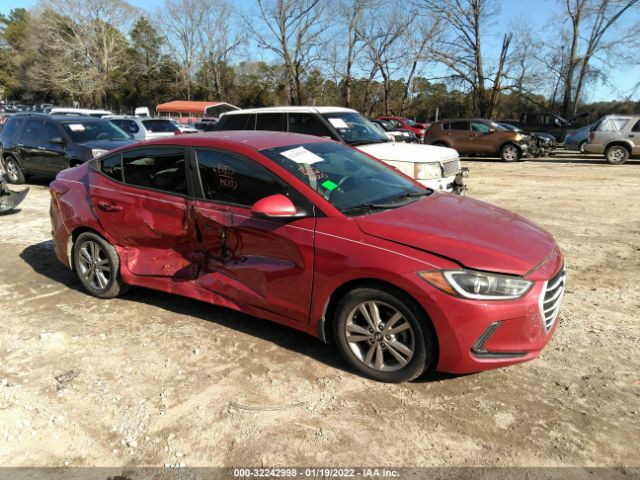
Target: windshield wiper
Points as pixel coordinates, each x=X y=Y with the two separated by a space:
x=370 y=207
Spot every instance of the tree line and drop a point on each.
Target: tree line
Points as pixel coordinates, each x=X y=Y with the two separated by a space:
x=416 y=58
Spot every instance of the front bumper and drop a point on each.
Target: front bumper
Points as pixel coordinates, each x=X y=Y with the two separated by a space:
x=452 y=184
x=482 y=335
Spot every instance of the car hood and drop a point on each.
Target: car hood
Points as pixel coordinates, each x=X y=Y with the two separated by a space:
x=408 y=152
x=108 y=144
x=473 y=233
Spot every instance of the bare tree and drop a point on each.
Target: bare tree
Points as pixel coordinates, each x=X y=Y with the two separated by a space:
x=87 y=43
x=381 y=34
x=292 y=29
x=461 y=50
x=351 y=16
x=599 y=16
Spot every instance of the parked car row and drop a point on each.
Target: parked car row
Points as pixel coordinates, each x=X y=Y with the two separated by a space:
x=435 y=167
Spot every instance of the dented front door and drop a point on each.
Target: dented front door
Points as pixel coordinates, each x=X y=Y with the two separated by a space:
x=264 y=264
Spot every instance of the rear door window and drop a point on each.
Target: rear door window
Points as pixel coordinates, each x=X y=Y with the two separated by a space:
x=480 y=127
x=308 y=124
x=129 y=126
x=236 y=122
x=11 y=127
x=50 y=131
x=459 y=126
x=271 y=121
x=157 y=168
x=32 y=132
x=112 y=167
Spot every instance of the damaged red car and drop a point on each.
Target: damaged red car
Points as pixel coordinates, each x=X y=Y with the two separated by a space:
x=318 y=236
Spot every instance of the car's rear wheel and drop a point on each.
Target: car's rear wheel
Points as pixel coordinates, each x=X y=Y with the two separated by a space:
x=510 y=153
x=581 y=146
x=616 y=154
x=383 y=335
x=97 y=264
x=14 y=172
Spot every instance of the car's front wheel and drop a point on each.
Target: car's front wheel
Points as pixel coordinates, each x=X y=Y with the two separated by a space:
x=616 y=154
x=510 y=153
x=383 y=335
x=14 y=172
x=97 y=264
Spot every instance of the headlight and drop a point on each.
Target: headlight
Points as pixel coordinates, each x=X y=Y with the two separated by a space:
x=477 y=285
x=98 y=151
x=427 y=171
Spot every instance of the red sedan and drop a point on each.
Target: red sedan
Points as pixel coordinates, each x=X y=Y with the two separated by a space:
x=318 y=236
x=400 y=122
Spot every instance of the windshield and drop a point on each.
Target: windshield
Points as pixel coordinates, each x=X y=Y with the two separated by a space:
x=351 y=181
x=354 y=129
x=82 y=131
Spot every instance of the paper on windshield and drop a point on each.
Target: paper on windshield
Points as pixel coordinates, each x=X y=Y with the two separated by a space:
x=301 y=155
x=338 y=123
x=76 y=127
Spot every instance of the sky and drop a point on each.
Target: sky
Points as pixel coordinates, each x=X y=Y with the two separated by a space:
x=513 y=14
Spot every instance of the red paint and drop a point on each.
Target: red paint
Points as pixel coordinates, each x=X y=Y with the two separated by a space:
x=417 y=128
x=286 y=269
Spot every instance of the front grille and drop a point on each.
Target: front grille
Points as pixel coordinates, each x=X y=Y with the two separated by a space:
x=551 y=299
x=450 y=167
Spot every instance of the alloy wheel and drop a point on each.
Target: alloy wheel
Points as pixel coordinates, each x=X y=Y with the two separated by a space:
x=12 y=171
x=380 y=336
x=510 y=154
x=94 y=264
x=617 y=155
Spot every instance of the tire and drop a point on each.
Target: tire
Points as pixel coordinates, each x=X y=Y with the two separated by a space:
x=581 y=146
x=97 y=265
x=616 y=154
x=510 y=153
x=15 y=174
x=396 y=356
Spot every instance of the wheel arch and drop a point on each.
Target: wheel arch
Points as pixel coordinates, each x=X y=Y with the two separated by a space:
x=508 y=142
x=619 y=143
x=325 y=325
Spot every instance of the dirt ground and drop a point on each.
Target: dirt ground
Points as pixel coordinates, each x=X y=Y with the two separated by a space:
x=153 y=379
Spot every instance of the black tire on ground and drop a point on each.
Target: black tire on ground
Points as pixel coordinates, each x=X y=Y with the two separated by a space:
x=97 y=265
x=14 y=173
x=581 y=146
x=510 y=153
x=393 y=351
x=616 y=154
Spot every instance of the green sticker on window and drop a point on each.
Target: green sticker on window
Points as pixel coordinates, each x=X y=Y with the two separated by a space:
x=329 y=185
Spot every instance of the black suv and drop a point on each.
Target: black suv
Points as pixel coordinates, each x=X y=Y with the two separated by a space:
x=40 y=144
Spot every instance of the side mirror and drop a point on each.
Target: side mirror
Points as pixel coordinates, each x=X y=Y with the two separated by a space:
x=57 y=141
x=492 y=130
x=274 y=206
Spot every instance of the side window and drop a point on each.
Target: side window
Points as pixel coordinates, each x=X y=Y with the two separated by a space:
x=160 y=126
x=309 y=124
x=128 y=126
x=50 y=131
x=32 y=131
x=11 y=127
x=636 y=127
x=231 y=179
x=112 y=167
x=395 y=124
x=479 y=127
x=271 y=121
x=459 y=126
x=159 y=168
x=234 y=122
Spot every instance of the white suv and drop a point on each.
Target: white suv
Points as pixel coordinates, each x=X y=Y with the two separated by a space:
x=435 y=167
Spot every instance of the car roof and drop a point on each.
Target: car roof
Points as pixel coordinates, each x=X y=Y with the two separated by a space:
x=58 y=118
x=257 y=139
x=291 y=110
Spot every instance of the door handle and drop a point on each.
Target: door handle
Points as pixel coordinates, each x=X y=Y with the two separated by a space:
x=109 y=207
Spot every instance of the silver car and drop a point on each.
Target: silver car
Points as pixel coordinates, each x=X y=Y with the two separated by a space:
x=145 y=128
x=617 y=136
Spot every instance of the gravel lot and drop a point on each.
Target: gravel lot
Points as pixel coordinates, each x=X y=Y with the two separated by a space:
x=154 y=379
